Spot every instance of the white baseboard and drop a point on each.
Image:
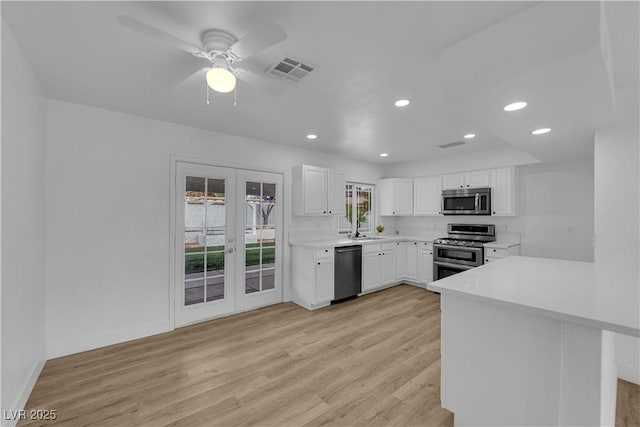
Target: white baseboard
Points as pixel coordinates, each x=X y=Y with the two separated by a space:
x=22 y=398
x=59 y=348
x=629 y=373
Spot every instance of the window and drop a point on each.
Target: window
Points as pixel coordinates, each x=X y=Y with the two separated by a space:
x=358 y=199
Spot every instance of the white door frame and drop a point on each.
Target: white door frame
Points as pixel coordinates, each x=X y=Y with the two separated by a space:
x=185 y=315
x=173 y=238
x=251 y=301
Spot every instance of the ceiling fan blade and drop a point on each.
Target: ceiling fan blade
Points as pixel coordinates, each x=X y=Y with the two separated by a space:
x=141 y=27
x=197 y=77
x=258 y=39
x=269 y=86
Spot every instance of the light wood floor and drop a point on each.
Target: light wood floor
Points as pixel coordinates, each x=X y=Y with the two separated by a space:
x=370 y=361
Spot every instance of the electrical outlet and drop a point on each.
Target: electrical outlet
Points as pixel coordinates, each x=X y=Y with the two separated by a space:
x=571 y=229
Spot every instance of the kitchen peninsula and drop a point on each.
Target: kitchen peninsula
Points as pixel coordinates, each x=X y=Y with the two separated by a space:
x=529 y=341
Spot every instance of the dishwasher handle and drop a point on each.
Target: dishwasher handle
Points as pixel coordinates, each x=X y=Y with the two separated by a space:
x=348 y=249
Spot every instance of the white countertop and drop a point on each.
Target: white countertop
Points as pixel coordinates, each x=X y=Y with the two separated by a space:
x=347 y=242
x=578 y=292
x=502 y=244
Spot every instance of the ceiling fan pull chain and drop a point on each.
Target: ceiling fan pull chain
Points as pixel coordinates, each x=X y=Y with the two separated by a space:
x=208 y=102
x=235 y=95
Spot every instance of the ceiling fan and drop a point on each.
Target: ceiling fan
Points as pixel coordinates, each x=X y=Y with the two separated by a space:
x=225 y=53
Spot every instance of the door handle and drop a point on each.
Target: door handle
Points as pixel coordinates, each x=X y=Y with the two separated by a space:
x=229 y=251
x=477 y=201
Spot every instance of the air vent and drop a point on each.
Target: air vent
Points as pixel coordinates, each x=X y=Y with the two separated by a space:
x=290 y=69
x=451 y=144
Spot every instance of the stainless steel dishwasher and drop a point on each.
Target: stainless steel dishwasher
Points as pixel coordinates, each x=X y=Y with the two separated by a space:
x=348 y=273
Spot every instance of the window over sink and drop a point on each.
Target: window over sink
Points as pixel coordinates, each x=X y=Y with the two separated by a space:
x=358 y=200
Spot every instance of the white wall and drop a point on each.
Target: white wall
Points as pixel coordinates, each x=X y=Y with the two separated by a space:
x=617 y=217
x=108 y=207
x=551 y=198
x=23 y=226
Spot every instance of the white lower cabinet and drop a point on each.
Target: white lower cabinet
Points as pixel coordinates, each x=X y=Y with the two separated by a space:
x=383 y=264
x=371 y=270
x=324 y=280
x=312 y=276
x=494 y=253
x=415 y=262
x=388 y=264
x=407 y=261
x=378 y=266
x=425 y=263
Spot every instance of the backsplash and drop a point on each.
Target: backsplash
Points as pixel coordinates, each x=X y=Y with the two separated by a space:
x=303 y=228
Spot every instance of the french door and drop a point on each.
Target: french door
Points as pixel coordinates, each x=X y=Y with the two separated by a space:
x=228 y=248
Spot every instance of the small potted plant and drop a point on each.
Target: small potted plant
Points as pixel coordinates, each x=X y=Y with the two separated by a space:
x=380 y=228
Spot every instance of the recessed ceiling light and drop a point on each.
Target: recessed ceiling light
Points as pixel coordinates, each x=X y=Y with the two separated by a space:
x=402 y=102
x=470 y=135
x=384 y=154
x=312 y=136
x=541 y=131
x=514 y=106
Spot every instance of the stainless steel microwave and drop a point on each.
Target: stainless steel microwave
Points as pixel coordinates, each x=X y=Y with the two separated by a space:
x=466 y=201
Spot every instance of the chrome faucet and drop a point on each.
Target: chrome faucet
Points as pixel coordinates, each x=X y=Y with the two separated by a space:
x=357 y=229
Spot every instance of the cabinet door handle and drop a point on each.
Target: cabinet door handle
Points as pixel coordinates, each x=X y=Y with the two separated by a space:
x=318 y=263
x=330 y=212
x=494 y=212
x=324 y=212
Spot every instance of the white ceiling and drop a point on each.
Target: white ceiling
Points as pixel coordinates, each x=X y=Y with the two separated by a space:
x=458 y=62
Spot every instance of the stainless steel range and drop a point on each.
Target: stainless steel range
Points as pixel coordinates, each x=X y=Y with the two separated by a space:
x=462 y=249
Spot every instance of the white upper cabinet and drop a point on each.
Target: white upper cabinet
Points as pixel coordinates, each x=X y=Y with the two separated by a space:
x=427 y=195
x=503 y=201
x=317 y=191
x=395 y=196
x=453 y=180
x=335 y=189
x=471 y=179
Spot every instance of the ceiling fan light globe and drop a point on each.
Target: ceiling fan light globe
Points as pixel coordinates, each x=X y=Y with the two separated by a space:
x=221 y=80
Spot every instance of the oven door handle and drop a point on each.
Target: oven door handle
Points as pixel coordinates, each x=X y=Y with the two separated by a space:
x=477 y=202
x=460 y=248
x=451 y=265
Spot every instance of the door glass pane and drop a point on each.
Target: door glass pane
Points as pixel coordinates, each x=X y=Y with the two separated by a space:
x=193 y=265
x=252 y=281
x=260 y=236
x=204 y=237
x=215 y=263
x=194 y=213
x=252 y=257
x=253 y=191
x=193 y=292
x=215 y=288
x=215 y=214
x=268 y=256
x=268 y=279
